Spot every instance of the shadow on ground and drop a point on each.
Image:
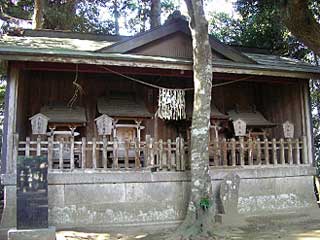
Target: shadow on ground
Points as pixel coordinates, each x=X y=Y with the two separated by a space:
x=286 y=227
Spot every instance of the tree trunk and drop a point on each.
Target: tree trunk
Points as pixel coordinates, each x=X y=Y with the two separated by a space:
x=301 y=22
x=116 y=17
x=38 y=14
x=199 y=220
x=155 y=20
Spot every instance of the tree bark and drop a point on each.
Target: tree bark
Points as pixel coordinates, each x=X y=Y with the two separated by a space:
x=301 y=22
x=38 y=14
x=199 y=220
x=116 y=17
x=155 y=19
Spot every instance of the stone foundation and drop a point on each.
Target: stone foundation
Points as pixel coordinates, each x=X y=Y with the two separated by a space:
x=98 y=199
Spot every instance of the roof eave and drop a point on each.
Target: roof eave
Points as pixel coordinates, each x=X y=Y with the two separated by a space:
x=155 y=62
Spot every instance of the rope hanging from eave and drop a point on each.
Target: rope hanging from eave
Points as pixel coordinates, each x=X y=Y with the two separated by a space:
x=171 y=102
x=78 y=89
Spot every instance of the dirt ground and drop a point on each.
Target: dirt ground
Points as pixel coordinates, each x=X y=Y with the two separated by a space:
x=285 y=227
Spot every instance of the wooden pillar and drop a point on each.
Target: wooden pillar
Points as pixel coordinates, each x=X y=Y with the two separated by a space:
x=10 y=120
x=308 y=123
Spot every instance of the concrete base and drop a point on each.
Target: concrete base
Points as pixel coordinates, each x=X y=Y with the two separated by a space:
x=98 y=199
x=32 y=234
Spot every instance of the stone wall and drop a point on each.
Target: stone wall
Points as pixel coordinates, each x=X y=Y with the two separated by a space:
x=99 y=199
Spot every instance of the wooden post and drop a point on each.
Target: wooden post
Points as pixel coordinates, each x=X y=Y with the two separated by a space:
x=217 y=153
x=10 y=120
x=61 y=141
x=274 y=151
x=137 y=153
x=290 y=157
x=224 y=152
x=233 y=152
x=151 y=152
x=115 y=154
x=182 y=155
x=304 y=150
x=242 y=163
x=15 y=153
x=258 y=144
x=169 y=158
x=126 y=153
x=161 y=158
x=266 y=151
x=94 y=153
x=146 y=151
x=83 y=153
x=178 y=163
x=38 y=145
x=297 y=151
x=250 y=152
x=282 y=155
x=50 y=152
x=104 y=152
x=27 y=149
x=72 y=152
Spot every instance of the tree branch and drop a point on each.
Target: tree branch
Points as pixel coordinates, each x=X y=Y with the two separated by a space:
x=299 y=19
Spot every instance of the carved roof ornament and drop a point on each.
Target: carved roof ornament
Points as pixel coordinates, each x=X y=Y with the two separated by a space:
x=240 y=127
x=288 y=129
x=39 y=124
x=104 y=125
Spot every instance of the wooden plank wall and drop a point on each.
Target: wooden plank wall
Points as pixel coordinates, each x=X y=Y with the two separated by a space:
x=278 y=102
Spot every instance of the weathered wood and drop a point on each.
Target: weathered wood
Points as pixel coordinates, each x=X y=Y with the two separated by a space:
x=27 y=150
x=161 y=158
x=290 y=155
x=11 y=114
x=61 y=142
x=146 y=151
x=83 y=153
x=126 y=153
x=274 y=151
x=72 y=153
x=250 y=152
x=151 y=152
x=15 y=152
x=224 y=152
x=266 y=151
x=297 y=151
x=169 y=158
x=182 y=155
x=50 y=152
x=258 y=144
x=104 y=152
x=178 y=163
x=304 y=150
x=94 y=153
x=38 y=145
x=282 y=152
x=115 y=154
x=233 y=152
x=137 y=153
x=242 y=163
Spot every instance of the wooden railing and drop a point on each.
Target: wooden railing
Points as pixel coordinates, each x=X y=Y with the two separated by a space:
x=108 y=155
x=251 y=152
x=159 y=155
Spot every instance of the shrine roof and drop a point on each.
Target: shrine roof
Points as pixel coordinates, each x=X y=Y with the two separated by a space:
x=123 y=105
x=64 y=114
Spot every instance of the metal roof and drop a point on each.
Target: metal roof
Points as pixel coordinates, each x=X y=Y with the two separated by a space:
x=123 y=105
x=64 y=114
x=252 y=119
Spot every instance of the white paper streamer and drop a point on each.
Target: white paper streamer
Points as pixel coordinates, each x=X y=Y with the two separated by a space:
x=172 y=104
